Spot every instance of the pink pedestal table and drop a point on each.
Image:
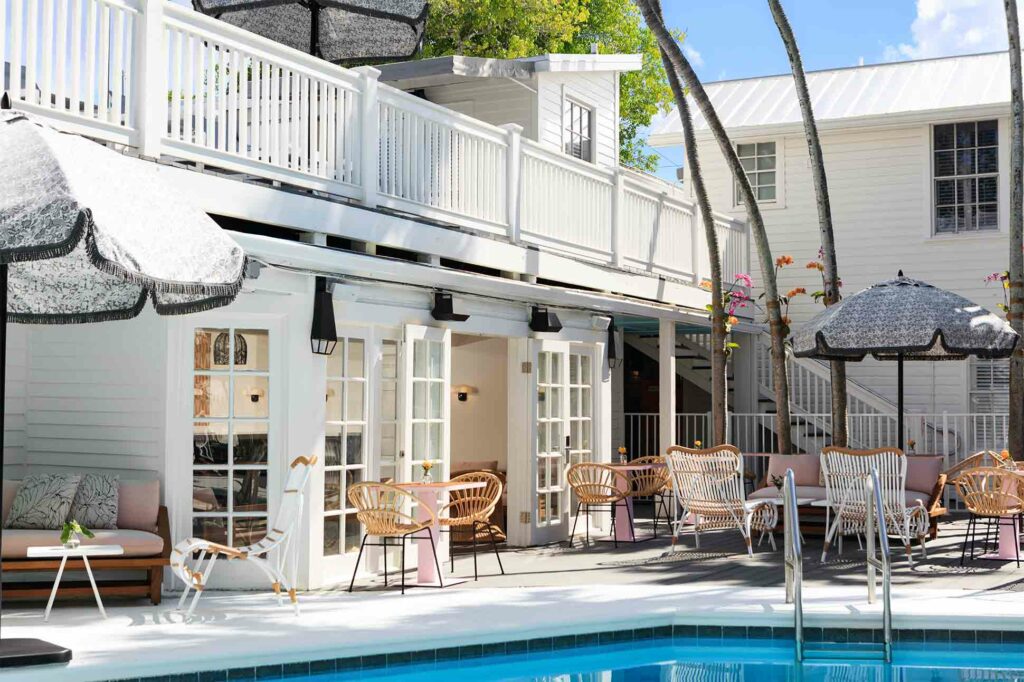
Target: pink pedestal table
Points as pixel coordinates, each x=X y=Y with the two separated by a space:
x=428 y=495
x=624 y=530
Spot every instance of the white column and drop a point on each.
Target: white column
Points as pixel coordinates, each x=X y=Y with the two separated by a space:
x=149 y=89
x=666 y=384
x=369 y=169
x=514 y=152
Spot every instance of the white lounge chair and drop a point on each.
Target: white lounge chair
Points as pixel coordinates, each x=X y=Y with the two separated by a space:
x=709 y=485
x=193 y=559
x=846 y=473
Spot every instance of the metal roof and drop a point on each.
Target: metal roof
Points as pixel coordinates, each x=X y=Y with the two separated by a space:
x=860 y=93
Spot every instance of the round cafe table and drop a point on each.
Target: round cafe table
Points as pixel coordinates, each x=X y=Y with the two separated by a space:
x=429 y=497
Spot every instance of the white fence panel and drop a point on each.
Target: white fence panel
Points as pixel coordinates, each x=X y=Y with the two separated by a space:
x=657 y=226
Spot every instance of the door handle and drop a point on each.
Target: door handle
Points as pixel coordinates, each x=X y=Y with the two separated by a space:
x=401 y=454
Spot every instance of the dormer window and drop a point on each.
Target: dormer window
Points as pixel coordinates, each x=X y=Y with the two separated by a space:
x=758 y=160
x=577 y=125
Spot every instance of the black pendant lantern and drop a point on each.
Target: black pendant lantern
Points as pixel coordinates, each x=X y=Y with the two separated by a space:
x=222 y=349
x=613 y=352
x=443 y=309
x=543 y=320
x=323 y=336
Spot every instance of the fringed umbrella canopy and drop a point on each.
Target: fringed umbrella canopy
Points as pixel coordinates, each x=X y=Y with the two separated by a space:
x=339 y=31
x=90 y=234
x=905 y=318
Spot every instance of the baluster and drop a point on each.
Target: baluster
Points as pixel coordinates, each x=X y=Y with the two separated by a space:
x=31 y=50
x=61 y=65
x=17 y=32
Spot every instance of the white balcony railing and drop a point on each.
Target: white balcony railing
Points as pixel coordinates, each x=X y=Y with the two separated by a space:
x=168 y=81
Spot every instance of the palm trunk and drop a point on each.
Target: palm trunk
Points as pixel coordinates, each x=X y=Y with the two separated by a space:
x=828 y=244
x=651 y=11
x=1016 y=278
x=718 y=335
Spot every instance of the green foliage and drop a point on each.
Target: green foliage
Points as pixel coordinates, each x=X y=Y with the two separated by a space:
x=73 y=527
x=508 y=29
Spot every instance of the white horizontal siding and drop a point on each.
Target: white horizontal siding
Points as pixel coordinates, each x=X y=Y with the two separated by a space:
x=490 y=100
x=596 y=90
x=879 y=182
x=14 y=404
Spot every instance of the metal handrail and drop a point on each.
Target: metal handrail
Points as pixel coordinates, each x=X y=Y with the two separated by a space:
x=794 y=561
x=881 y=561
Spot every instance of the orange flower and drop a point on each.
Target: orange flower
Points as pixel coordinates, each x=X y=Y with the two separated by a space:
x=813 y=265
x=697 y=443
x=733 y=319
x=783 y=260
x=705 y=284
x=786 y=320
x=796 y=292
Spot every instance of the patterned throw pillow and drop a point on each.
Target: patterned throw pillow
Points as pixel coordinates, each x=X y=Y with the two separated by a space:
x=43 y=502
x=95 y=504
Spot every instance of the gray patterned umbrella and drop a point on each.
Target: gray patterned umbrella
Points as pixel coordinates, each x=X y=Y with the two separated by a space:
x=904 y=319
x=87 y=235
x=336 y=30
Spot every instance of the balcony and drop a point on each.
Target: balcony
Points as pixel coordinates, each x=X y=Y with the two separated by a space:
x=168 y=82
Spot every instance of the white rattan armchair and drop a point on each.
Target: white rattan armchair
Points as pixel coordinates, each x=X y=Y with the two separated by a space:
x=846 y=473
x=193 y=559
x=709 y=486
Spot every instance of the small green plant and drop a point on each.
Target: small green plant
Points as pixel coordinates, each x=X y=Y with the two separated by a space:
x=778 y=481
x=73 y=527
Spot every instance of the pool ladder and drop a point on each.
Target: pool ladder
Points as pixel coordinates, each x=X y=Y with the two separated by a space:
x=876 y=562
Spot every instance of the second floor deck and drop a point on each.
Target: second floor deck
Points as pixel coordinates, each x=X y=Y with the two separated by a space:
x=170 y=83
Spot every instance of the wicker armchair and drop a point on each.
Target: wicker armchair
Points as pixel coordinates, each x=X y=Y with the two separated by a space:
x=381 y=508
x=709 y=485
x=654 y=483
x=846 y=474
x=994 y=495
x=472 y=508
x=597 y=486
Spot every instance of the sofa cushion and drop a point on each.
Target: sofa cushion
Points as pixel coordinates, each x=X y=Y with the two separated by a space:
x=42 y=501
x=806 y=468
x=923 y=473
x=136 y=543
x=813 y=492
x=138 y=505
x=912 y=496
x=95 y=504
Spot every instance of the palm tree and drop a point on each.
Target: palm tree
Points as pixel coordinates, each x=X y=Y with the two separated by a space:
x=778 y=329
x=828 y=244
x=718 y=333
x=1016 y=276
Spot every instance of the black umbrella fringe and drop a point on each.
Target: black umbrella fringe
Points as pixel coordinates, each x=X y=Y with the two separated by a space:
x=49 y=251
x=191 y=307
x=81 y=318
x=822 y=351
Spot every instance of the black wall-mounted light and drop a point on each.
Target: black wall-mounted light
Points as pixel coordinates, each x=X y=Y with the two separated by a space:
x=443 y=309
x=323 y=336
x=613 y=352
x=543 y=320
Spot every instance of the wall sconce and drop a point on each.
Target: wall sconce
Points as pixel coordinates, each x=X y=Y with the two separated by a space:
x=463 y=392
x=256 y=394
x=323 y=336
x=543 y=320
x=613 y=352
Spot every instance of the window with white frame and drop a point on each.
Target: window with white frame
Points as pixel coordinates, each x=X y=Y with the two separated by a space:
x=966 y=176
x=759 y=163
x=230 y=434
x=388 y=420
x=578 y=122
x=990 y=386
x=345 y=443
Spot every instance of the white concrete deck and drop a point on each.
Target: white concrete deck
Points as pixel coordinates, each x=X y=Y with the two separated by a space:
x=251 y=630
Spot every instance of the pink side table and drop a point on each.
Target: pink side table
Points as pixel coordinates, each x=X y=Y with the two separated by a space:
x=624 y=530
x=428 y=495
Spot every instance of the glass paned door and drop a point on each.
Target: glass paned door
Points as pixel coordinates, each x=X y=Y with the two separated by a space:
x=426 y=381
x=552 y=427
x=581 y=410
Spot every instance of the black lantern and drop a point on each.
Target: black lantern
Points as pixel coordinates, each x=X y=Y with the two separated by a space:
x=443 y=310
x=222 y=349
x=613 y=352
x=323 y=337
x=543 y=320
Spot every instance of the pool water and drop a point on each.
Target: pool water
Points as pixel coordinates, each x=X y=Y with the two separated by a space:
x=732 y=660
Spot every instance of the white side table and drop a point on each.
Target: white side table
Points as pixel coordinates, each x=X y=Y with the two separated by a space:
x=82 y=552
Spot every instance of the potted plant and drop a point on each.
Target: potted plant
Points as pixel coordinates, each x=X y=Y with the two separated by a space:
x=622 y=454
x=778 y=482
x=911 y=444
x=72 y=532
x=427 y=465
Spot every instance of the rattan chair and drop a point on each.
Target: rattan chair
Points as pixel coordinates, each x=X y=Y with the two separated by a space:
x=472 y=508
x=382 y=509
x=709 y=485
x=598 y=486
x=992 y=494
x=654 y=483
x=846 y=474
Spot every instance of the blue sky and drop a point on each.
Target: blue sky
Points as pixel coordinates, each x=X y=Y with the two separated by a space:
x=737 y=38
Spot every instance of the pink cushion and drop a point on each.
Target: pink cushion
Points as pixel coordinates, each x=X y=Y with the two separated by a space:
x=136 y=543
x=813 y=492
x=138 y=505
x=912 y=496
x=10 y=490
x=806 y=468
x=923 y=473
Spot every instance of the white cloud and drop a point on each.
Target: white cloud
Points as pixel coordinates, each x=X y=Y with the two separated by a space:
x=949 y=27
x=693 y=55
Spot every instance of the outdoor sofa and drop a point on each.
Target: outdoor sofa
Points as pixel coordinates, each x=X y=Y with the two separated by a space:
x=925 y=482
x=142 y=529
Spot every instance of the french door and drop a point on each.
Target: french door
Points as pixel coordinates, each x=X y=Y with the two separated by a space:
x=551 y=441
x=426 y=403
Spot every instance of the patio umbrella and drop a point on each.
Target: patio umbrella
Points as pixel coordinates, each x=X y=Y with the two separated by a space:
x=336 y=30
x=904 y=319
x=87 y=235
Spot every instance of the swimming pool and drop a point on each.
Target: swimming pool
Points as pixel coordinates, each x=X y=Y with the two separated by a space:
x=685 y=661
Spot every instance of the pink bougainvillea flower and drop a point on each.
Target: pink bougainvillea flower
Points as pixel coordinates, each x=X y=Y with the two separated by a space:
x=744 y=279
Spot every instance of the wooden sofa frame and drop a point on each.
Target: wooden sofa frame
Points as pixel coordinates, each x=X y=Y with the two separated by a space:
x=150 y=587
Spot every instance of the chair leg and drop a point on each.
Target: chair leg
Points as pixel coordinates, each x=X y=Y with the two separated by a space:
x=385 y=541
x=967 y=536
x=403 y=564
x=476 y=573
x=199 y=589
x=358 y=559
x=615 y=534
x=494 y=545
x=654 y=503
x=576 y=520
x=629 y=517
x=437 y=564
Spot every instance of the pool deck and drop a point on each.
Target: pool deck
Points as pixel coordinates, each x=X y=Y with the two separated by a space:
x=547 y=592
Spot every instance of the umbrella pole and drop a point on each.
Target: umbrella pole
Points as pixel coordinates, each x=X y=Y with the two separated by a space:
x=899 y=405
x=17 y=652
x=314 y=28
